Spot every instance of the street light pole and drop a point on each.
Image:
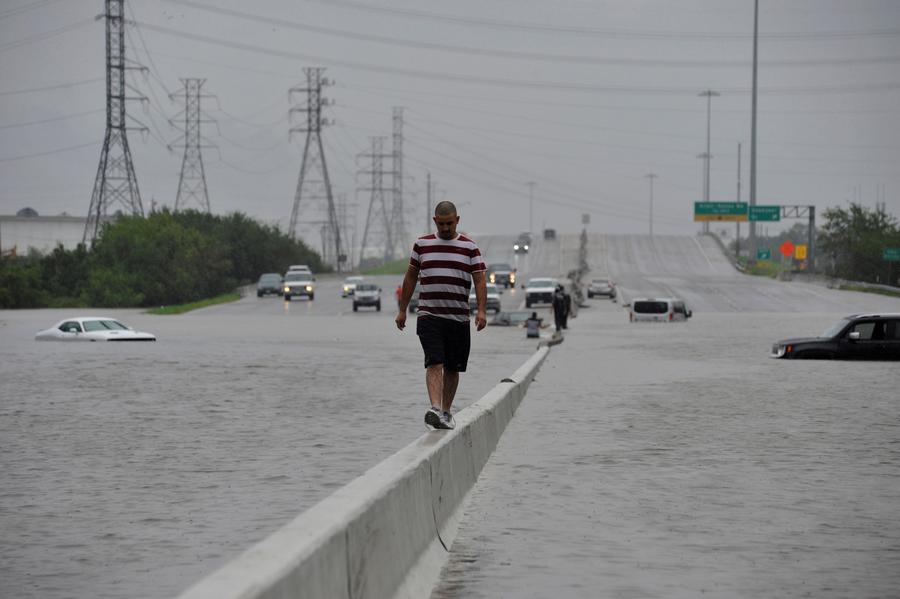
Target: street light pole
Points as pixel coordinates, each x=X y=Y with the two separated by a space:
x=651 y=177
x=708 y=94
x=531 y=185
x=752 y=224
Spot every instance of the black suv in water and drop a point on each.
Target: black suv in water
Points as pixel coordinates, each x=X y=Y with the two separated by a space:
x=857 y=337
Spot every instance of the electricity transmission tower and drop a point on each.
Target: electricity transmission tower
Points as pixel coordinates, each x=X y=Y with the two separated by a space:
x=115 y=181
x=398 y=217
x=314 y=155
x=379 y=213
x=192 y=182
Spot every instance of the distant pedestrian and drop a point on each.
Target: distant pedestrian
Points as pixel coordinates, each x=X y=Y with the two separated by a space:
x=559 y=307
x=567 y=308
x=448 y=263
x=533 y=326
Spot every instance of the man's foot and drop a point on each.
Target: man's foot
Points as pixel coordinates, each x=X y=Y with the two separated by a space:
x=447 y=420
x=433 y=418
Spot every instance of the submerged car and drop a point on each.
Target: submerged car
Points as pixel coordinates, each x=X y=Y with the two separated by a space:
x=92 y=328
x=367 y=294
x=297 y=283
x=602 y=286
x=540 y=291
x=856 y=337
x=663 y=309
x=493 y=299
x=269 y=282
x=349 y=285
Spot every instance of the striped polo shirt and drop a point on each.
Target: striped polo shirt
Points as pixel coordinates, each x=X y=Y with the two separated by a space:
x=445 y=274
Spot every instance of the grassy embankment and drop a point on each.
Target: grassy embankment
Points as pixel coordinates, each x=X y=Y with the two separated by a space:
x=887 y=292
x=397 y=267
x=182 y=308
x=762 y=268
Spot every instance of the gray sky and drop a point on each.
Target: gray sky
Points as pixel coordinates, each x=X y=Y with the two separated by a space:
x=584 y=97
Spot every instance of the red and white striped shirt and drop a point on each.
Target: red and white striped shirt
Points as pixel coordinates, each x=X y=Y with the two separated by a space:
x=445 y=274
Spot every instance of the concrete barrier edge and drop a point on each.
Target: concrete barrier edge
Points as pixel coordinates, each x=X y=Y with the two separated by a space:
x=388 y=532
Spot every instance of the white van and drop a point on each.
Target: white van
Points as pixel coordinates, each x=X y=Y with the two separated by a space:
x=664 y=309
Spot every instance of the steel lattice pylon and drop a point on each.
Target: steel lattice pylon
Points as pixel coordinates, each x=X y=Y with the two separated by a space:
x=398 y=217
x=115 y=182
x=192 y=182
x=314 y=155
x=378 y=209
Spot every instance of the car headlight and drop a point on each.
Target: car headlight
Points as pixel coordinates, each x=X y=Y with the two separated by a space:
x=287 y=289
x=309 y=287
x=512 y=277
x=516 y=246
x=526 y=247
x=493 y=278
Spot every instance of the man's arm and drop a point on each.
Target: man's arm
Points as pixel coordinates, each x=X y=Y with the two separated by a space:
x=409 y=285
x=478 y=279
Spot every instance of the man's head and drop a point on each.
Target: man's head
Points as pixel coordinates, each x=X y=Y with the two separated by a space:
x=534 y=316
x=446 y=219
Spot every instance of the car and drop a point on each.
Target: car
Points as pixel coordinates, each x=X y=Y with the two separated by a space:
x=664 y=309
x=540 y=291
x=269 y=282
x=549 y=234
x=414 y=299
x=522 y=243
x=501 y=273
x=510 y=319
x=92 y=328
x=367 y=294
x=299 y=268
x=349 y=285
x=602 y=286
x=855 y=337
x=493 y=299
x=299 y=283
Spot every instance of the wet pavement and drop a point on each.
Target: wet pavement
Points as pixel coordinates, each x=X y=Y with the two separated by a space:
x=678 y=460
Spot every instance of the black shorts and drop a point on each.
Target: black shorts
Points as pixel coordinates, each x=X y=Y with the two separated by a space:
x=444 y=341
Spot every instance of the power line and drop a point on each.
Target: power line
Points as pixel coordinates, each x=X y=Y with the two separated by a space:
x=12 y=12
x=64 y=117
x=519 y=55
x=514 y=83
x=485 y=22
x=49 y=87
x=49 y=152
x=46 y=35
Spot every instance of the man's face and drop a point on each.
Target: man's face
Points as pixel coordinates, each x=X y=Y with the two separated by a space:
x=446 y=225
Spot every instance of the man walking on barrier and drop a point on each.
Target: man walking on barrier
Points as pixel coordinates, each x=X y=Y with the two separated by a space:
x=447 y=265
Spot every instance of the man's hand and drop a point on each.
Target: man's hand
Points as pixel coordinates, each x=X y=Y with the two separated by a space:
x=401 y=319
x=480 y=320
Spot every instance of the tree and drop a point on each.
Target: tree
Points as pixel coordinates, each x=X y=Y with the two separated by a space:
x=852 y=240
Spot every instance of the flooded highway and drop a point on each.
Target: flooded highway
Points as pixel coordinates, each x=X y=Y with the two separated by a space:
x=673 y=459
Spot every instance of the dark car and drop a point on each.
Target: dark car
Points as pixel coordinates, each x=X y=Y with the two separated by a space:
x=522 y=244
x=269 y=282
x=857 y=337
x=501 y=273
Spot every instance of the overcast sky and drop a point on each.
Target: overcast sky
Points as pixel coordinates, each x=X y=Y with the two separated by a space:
x=583 y=97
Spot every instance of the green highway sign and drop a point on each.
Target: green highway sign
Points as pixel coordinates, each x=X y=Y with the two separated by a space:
x=719 y=211
x=763 y=254
x=891 y=254
x=767 y=213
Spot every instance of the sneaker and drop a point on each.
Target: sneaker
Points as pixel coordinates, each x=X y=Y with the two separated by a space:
x=433 y=418
x=447 y=420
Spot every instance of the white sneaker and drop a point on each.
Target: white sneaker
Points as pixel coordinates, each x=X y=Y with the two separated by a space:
x=433 y=418
x=447 y=420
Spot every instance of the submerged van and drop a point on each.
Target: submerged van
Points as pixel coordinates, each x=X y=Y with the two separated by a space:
x=665 y=309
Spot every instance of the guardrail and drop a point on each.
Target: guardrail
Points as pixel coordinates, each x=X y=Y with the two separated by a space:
x=387 y=533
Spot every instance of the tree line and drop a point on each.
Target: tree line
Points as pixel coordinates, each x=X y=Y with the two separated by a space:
x=164 y=259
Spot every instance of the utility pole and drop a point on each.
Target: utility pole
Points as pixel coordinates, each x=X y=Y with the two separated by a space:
x=192 y=182
x=398 y=217
x=531 y=185
x=651 y=177
x=115 y=181
x=314 y=154
x=752 y=224
x=737 y=242
x=428 y=204
x=708 y=94
x=377 y=205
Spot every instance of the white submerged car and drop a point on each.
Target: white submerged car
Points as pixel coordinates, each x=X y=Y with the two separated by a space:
x=92 y=328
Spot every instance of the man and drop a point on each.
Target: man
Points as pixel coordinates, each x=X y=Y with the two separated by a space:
x=447 y=263
x=533 y=326
x=559 y=307
x=567 y=308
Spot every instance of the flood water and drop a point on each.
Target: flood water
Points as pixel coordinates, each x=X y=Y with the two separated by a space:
x=132 y=470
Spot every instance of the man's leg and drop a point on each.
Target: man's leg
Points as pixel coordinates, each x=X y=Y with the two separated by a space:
x=450 y=382
x=435 y=381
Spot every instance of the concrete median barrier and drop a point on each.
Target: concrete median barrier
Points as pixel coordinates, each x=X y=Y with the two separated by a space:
x=387 y=533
